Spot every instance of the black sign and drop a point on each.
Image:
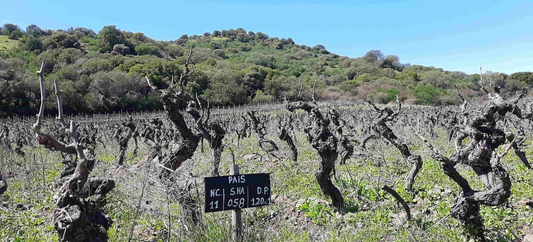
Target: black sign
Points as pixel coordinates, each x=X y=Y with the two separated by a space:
x=236 y=192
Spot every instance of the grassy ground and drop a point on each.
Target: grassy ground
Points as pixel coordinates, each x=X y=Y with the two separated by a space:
x=300 y=212
x=7 y=44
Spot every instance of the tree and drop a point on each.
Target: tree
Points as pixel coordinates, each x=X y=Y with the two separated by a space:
x=261 y=36
x=110 y=36
x=243 y=37
x=49 y=43
x=392 y=62
x=436 y=78
x=289 y=41
x=183 y=39
x=34 y=30
x=224 y=89
x=10 y=28
x=139 y=38
x=65 y=40
x=252 y=82
x=373 y=56
x=81 y=32
x=319 y=47
x=120 y=49
x=15 y=34
x=117 y=90
x=174 y=51
x=59 y=36
x=279 y=85
x=70 y=42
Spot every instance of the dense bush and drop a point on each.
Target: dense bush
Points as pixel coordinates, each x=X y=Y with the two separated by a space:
x=386 y=95
x=34 y=44
x=525 y=77
x=147 y=49
x=426 y=95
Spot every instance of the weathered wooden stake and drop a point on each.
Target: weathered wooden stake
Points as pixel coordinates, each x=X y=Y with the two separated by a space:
x=236 y=219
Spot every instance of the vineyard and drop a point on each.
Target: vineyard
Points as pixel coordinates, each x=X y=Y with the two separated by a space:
x=352 y=171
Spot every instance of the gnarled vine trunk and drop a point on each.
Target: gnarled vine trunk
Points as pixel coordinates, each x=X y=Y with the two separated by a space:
x=480 y=154
x=284 y=134
x=78 y=213
x=380 y=127
x=325 y=143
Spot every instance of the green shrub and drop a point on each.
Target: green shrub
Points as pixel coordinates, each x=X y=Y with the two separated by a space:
x=147 y=49
x=15 y=35
x=426 y=95
x=386 y=95
x=34 y=44
x=261 y=97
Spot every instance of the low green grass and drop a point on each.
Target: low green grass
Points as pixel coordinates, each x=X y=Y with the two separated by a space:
x=299 y=212
x=7 y=44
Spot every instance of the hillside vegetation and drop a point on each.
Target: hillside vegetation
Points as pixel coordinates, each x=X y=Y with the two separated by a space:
x=104 y=71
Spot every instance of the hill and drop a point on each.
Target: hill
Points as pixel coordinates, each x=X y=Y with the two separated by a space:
x=103 y=72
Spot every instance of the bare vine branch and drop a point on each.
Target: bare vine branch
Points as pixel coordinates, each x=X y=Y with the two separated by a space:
x=37 y=126
x=59 y=105
x=399 y=199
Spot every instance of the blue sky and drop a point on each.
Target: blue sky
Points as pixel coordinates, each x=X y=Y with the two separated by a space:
x=453 y=35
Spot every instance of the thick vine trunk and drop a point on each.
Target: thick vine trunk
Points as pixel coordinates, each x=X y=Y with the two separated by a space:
x=416 y=160
x=179 y=153
x=121 y=154
x=328 y=153
x=284 y=135
x=325 y=143
x=480 y=154
x=182 y=150
x=217 y=154
x=124 y=140
x=214 y=133
x=78 y=214
x=265 y=144
x=4 y=137
x=216 y=148
x=380 y=127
